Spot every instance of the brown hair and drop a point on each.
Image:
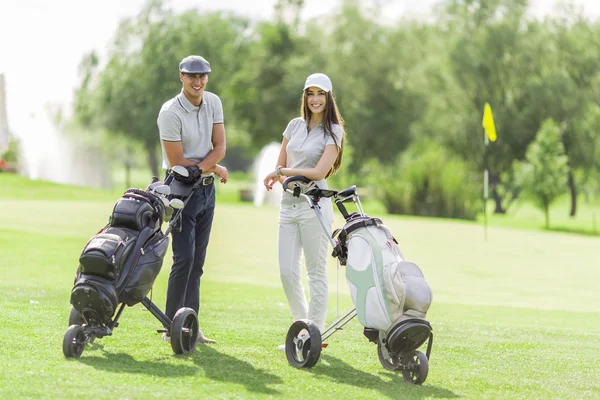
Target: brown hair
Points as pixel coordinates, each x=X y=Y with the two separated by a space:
x=332 y=116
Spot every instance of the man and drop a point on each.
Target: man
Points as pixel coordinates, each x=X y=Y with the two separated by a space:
x=192 y=134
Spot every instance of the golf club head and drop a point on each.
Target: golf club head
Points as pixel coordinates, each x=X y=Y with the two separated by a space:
x=179 y=170
x=163 y=189
x=176 y=204
x=151 y=187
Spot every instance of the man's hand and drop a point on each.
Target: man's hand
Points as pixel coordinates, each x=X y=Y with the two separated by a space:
x=222 y=173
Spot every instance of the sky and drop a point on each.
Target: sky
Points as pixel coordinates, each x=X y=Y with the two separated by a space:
x=42 y=42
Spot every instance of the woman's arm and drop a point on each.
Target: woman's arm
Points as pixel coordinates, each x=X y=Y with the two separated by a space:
x=273 y=177
x=320 y=170
x=282 y=159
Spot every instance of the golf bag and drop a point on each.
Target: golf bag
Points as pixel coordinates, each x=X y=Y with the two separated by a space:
x=385 y=289
x=120 y=263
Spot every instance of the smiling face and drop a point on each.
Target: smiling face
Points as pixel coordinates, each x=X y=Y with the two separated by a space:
x=193 y=86
x=316 y=99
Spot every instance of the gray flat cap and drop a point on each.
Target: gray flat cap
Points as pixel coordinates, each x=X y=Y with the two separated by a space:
x=194 y=65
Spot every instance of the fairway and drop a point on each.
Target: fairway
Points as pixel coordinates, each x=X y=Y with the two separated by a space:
x=514 y=317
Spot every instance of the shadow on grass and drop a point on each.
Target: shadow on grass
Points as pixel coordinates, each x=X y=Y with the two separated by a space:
x=222 y=367
x=393 y=387
x=574 y=231
x=123 y=362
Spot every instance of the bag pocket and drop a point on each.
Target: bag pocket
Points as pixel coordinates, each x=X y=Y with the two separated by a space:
x=101 y=255
x=95 y=298
x=142 y=275
x=133 y=213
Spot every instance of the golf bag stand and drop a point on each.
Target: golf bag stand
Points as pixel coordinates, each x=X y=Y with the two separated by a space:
x=390 y=295
x=119 y=265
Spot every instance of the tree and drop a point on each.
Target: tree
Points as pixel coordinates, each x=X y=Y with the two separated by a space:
x=578 y=53
x=373 y=69
x=542 y=175
x=124 y=96
x=266 y=92
x=501 y=57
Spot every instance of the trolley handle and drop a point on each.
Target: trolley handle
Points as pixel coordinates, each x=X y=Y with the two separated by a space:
x=348 y=192
x=291 y=179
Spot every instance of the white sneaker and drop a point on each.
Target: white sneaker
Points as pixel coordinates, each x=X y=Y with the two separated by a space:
x=204 y=339
x=281 y=347
x=201 y=338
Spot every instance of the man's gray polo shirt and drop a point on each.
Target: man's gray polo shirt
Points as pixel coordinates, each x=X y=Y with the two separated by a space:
x=304 y=149
x=181 y=121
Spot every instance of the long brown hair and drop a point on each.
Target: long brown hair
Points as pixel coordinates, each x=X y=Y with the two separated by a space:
x=332 y=116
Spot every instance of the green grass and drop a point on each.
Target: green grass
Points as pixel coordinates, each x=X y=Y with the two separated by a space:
x=525 y=216
x=514 y=317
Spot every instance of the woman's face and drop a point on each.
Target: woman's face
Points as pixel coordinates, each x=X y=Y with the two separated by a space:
x=316 y=99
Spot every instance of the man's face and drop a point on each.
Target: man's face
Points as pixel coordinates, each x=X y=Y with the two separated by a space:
x=193 y=84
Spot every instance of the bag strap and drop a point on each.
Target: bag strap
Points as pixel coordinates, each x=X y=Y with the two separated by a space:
x=354 y=225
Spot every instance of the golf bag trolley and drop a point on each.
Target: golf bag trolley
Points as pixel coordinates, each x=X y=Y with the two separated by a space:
x=390 y=295
x=118 y=266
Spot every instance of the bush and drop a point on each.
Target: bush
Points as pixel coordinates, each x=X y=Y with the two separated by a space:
x=428 y=181
x=344 y=177
x=11 y=155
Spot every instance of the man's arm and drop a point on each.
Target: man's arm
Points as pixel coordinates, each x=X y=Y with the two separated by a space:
x=174 y=151
x=218 y=151
x=169 y=128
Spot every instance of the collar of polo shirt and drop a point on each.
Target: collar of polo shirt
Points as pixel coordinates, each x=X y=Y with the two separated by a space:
x=185 y=103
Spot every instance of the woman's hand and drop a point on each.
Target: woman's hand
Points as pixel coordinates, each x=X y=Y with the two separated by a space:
x=270 y=180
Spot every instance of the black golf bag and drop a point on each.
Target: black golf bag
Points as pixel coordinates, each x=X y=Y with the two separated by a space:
x=120 y=263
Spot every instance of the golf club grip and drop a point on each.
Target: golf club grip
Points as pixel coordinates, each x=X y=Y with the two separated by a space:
x=340 y=205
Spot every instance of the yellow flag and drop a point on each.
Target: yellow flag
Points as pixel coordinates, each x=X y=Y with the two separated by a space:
x=488 y=122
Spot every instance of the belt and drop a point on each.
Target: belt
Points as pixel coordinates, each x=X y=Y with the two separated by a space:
x=206 y=180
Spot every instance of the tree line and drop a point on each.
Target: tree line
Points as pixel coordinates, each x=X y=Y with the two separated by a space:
x=412 y=94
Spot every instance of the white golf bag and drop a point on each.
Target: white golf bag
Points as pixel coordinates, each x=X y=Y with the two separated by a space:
x=390 y=295
x=385 y=288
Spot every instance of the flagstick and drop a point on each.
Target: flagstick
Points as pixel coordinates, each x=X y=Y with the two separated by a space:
x=485 y=185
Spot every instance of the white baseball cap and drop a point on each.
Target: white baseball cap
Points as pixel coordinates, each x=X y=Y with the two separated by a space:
x=319 y=80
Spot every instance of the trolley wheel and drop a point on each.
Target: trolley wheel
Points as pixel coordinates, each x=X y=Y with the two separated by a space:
x=303 y=344
x=389 y=363
x=74 y=341
x=416 y=367
x=75 y=318
x=184 y=331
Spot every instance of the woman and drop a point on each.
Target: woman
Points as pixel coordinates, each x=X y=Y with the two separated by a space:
x=312 y=146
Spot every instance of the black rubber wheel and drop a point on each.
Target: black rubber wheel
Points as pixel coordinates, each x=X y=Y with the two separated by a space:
x=303 y=344
x=74 y=341
x=391 y=363
x=184 y=331
x=416 y=367
x=75 y=318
